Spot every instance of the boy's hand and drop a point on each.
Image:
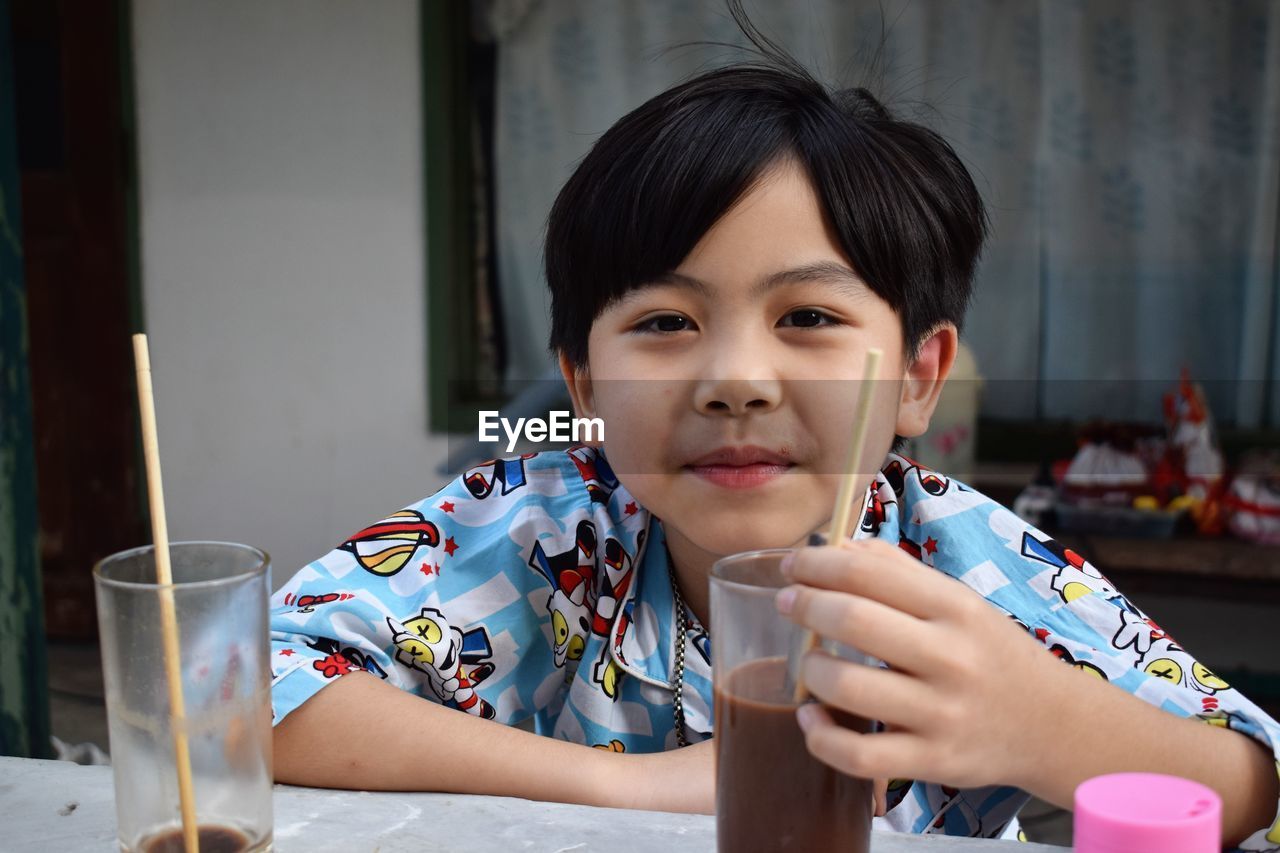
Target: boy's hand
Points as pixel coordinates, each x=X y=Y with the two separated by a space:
x=962 y=673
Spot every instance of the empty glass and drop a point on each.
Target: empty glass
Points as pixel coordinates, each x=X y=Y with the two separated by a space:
x=220 y=593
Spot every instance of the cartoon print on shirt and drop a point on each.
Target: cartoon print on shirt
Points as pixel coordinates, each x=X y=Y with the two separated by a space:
x=1137 y=630
x=894 y=475
x=932 y=482
x=895 y=792
x=1063 y=654
x=948 y=805
x=606 y=673
x=614 y=745
x=1213 y=714
x=308 y=603
x=700 y=642
x=1206 y=680
x=481 y=479
x=618 y=570
x=874 y=514
x=596 y=473
x=350 y=654
x=332 y=666
x=572 y=577
x=1166 y=659
x=1076 y=576
x=384 y=548
x=423 y=643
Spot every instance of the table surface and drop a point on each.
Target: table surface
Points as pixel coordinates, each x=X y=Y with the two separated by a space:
x=58 y=805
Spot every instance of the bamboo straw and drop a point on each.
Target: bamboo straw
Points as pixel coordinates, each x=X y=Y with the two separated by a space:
x=164 y=578
x=840 y=517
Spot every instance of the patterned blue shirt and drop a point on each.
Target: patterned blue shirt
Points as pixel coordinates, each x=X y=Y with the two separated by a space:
x=536 y=588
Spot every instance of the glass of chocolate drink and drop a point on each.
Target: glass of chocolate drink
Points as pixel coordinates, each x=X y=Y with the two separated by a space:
x=771 y=794
x=220 y=592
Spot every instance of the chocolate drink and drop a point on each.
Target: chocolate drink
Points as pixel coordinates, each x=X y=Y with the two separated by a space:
x=212 y=839
x=772 y=794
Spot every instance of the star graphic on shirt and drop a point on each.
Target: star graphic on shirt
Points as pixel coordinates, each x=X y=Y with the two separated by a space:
x=630 y=508
x=447 y=506
x=285 y=653
x=450 y=546
x=425 y=569
x=931 y=545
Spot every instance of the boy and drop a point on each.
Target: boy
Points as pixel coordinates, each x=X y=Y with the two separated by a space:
x=720 y=263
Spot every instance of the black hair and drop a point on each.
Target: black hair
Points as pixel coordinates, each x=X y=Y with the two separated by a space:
x=902 y=206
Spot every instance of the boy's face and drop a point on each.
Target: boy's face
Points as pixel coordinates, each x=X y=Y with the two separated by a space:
x=738 y=349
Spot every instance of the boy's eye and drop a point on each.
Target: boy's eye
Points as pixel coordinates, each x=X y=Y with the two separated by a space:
x=664 y=323
x=804 y=317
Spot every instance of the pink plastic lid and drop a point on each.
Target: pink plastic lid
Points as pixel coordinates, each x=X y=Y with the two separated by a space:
x=1146 y=813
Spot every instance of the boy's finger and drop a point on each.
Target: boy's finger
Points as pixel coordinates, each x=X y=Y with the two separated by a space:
x=880 y=796
x=875 y=569
x=868 y=691
x=892 y=755
x=899 y=639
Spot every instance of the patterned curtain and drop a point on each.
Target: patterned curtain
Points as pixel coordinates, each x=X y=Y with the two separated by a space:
x=24 y=700
x=1127 y=151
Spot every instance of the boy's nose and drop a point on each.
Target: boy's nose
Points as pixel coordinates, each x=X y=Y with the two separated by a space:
x=737 y=396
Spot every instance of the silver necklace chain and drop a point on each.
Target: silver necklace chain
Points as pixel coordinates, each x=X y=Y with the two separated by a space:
x=682 y=633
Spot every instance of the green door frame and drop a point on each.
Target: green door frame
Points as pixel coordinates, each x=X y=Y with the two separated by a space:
x=454 y=392
x=24 y=676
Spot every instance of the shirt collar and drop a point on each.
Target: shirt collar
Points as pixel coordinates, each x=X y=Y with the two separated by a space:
x=644 y=628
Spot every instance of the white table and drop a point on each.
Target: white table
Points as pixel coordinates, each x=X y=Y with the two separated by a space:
x=58 y=805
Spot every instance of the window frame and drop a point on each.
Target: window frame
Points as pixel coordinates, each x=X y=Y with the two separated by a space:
x=455 y=390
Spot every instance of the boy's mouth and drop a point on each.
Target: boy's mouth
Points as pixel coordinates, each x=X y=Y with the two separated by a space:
x=740 y=467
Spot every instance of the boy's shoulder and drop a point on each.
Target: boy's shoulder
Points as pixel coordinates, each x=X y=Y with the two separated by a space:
x=948 y=524
x=903 y=473
x=578 y=471
x=497 y=503
x=919 y=495
x=953 y=527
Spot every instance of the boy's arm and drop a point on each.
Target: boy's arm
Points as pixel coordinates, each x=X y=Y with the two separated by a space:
x=362 y=733
x=451 y=600
x=1075 y=748
x=974 y=701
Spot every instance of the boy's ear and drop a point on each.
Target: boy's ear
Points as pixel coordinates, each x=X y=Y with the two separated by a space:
x=923 y=380
x=578 y=381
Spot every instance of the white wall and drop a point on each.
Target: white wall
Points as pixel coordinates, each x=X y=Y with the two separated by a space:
x=280 y=157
